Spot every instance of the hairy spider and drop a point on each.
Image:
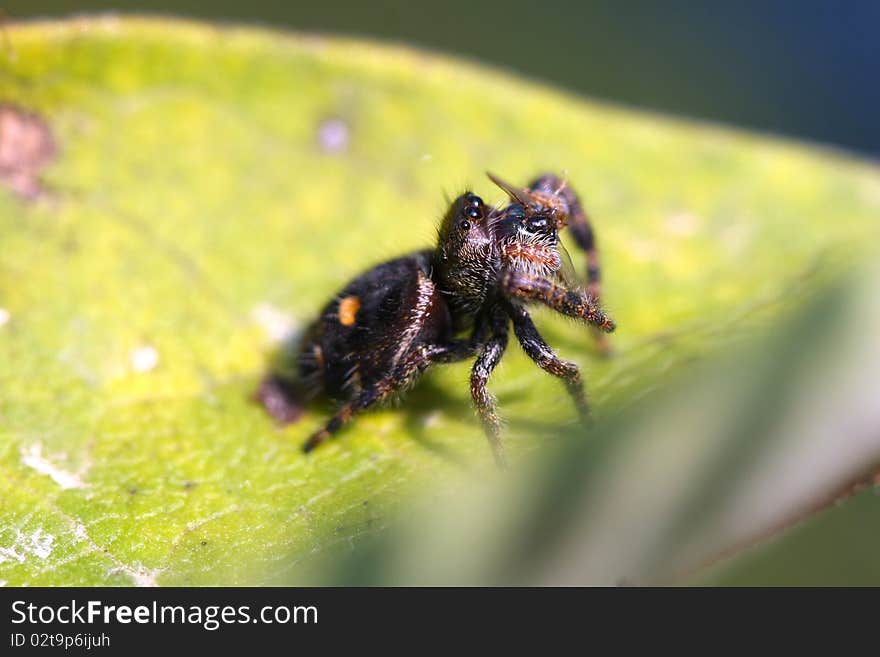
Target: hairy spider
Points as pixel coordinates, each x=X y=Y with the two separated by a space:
x=455 y=302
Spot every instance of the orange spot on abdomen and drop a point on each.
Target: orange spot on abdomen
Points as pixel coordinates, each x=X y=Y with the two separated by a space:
x=348 y=308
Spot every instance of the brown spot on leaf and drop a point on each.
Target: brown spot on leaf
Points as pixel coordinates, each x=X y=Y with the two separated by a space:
x=26 y=146
x=348 y=308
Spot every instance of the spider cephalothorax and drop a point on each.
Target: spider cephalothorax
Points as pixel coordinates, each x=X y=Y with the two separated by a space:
x=454 y=302
x=466 y=258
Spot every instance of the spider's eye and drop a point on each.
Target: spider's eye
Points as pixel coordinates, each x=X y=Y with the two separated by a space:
x=537 y=223
x=464 y=224
x=473 y=207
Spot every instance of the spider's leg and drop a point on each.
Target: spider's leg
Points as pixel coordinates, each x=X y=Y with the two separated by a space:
x=573 y=303
x=584 y=236
x=408 y=369
x=489 y=356
x=453 y=351
x=458 y=350
x=579 y=223
x=402 y=376
x=545 y=358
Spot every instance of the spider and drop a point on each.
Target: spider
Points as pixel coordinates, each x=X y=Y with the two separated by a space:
x=454 y=302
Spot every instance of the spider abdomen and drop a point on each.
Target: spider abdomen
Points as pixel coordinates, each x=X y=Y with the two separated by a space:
x=369 y=326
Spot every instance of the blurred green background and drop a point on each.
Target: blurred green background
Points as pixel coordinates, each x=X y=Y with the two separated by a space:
x=806 y=69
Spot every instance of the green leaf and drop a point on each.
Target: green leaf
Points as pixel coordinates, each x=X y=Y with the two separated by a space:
x=212 y=187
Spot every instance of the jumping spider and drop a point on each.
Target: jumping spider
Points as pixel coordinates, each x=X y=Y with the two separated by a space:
x=455 y=302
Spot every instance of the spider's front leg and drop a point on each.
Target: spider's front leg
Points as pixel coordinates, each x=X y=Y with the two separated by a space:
x=489 y=356
x=584 y=236
x=579 y=224
x=574 y=303
x=545 y=358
